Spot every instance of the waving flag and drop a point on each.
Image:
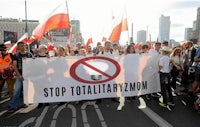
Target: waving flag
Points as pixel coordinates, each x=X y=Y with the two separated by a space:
x=88 y=43
x=24 y=39
x=8 y=43
x=104 y=39
x=119 y=25
x=57 y=19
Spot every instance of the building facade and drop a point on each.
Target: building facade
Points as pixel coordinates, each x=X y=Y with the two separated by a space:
x=188 y=34
x=164 y=28
x=76 y=32
x=13 y=29
x=198 y=24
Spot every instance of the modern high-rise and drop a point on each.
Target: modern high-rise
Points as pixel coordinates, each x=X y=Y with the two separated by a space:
x=141 y=36
x=164 y=28
x=188 y=34
x=198 y=24
x=76 y=32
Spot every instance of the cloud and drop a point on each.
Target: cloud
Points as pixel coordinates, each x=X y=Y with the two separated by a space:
x=187 y=4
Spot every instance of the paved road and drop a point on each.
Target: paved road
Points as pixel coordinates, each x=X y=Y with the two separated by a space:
x=89 y=114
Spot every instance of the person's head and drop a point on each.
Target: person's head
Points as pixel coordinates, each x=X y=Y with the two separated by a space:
x=42 y=49
x=3 y=48
x=98 y=44
x=145 y=48
x=21 y=47
x=165 y=43
x=71 y=52
x=157 y=46
x=89 y=48
x=177 y=51
x=60 y=51
x=189 y=44
x=115 y=46
x=78 y=45
x=100 y=48
x=34 y=49
x=82 y=52
x=132 y=43
x=130 y=49
x=107 y=46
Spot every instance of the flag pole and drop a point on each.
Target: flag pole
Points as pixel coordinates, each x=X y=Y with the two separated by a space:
x=131 y=40
x=26 y=26
x=128 y=29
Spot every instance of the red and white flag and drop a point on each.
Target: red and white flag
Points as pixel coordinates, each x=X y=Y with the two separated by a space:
x=104 y=39
x=89 y=41
x=57 y=19
x=119 y=25
x=24 y=39
x=8 y=43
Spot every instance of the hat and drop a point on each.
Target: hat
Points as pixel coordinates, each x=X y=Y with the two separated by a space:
x=166 y=49
x=3 y=46
x=78 y=43
x=42 y=46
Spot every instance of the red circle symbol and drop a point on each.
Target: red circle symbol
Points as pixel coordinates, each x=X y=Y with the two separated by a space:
x=83 y=61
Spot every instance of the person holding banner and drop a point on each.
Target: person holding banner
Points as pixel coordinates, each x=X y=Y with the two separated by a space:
x=43 y=52
x=106 y=51
x=61 y=52
x=130 y=50
x=17 y=63
x=164 y=69
x=155 y=51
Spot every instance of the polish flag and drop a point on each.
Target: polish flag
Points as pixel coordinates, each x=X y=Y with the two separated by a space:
x=104 y=39
x=24 y=39
x=119 y=25
x=88 y=43
x=57 y=19
x=8 y=43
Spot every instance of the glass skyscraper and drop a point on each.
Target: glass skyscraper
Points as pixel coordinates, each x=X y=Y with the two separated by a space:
x=164 y=28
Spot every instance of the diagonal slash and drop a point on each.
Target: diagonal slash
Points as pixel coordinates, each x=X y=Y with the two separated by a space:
x=96 y=69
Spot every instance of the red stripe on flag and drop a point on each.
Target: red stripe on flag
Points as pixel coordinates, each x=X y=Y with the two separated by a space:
x=58 y=19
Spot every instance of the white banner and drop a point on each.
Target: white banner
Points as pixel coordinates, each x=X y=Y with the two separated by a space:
x=82 y=78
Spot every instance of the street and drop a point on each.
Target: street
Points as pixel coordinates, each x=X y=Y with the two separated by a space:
x=105 y=114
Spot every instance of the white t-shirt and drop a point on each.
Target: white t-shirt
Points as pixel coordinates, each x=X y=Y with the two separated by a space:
x=165 y=63
x=177 y=59
x=153 y=51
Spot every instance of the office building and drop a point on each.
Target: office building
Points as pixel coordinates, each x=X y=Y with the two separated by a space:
x=164 y=28
x=141 y=36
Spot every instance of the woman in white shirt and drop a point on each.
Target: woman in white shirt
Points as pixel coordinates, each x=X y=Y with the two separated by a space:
x=177 y=65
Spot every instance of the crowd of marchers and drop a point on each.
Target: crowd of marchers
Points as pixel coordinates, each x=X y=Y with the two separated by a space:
x=179 y=65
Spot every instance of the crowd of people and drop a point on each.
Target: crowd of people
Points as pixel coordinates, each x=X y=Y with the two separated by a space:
x=180 y=63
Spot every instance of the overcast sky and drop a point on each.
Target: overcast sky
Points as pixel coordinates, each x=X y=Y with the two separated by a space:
x=96 y=15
